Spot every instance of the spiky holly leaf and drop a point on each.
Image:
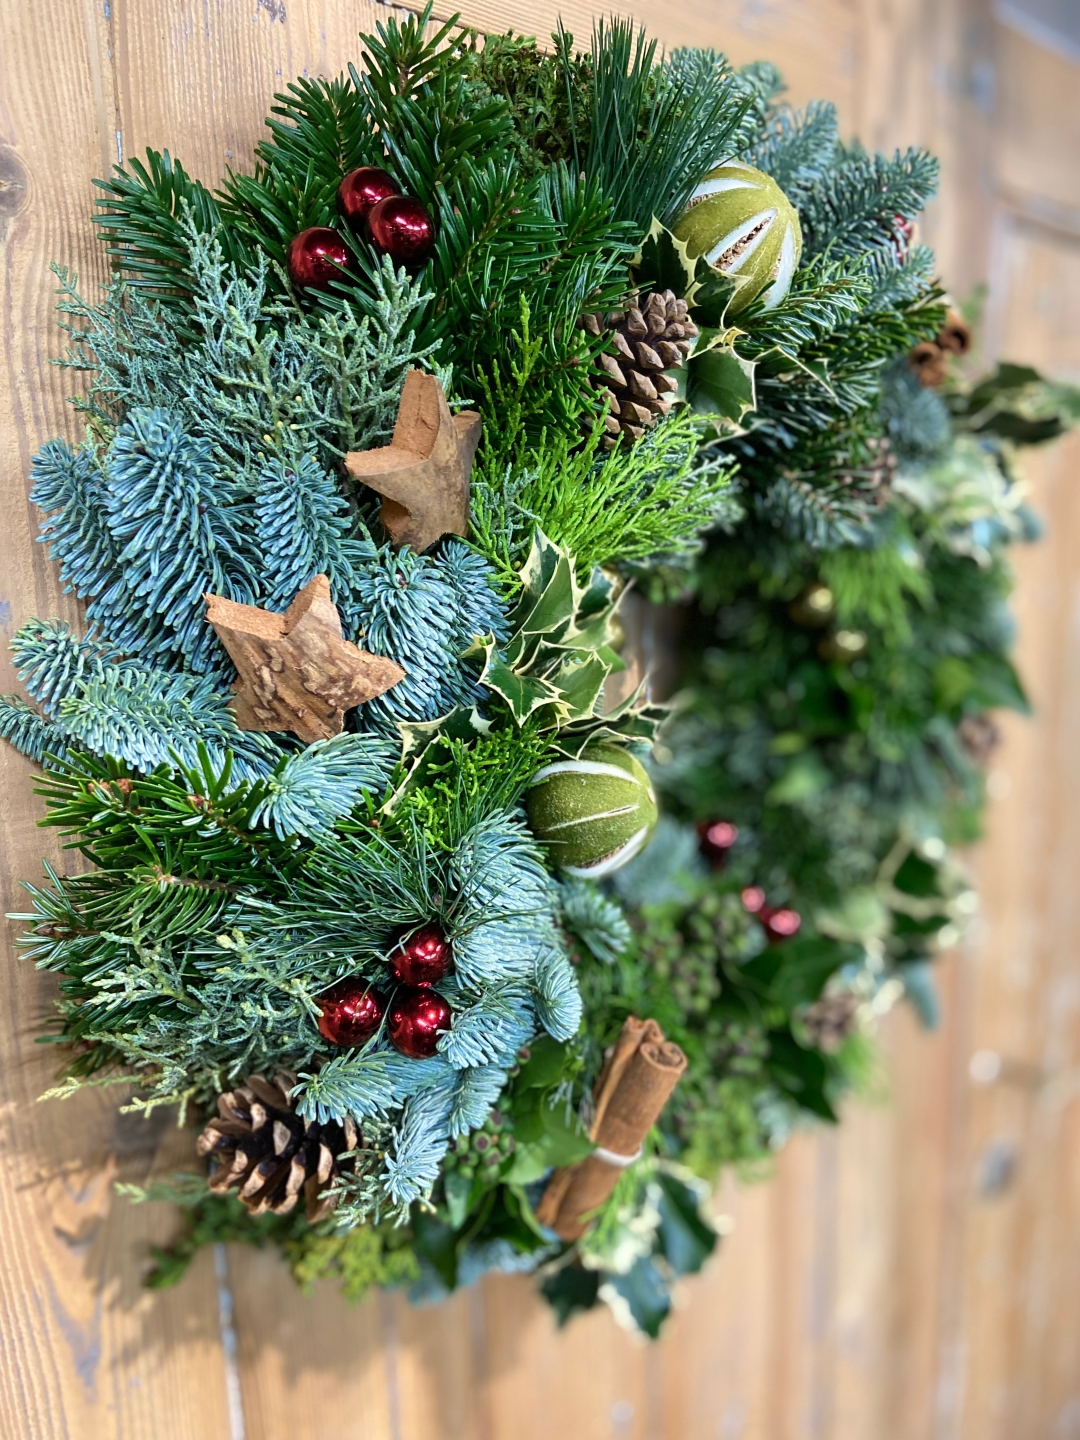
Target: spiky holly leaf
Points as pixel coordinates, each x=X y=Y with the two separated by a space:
x=722 y=383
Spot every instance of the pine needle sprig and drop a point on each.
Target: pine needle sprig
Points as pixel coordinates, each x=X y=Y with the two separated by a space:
x=854 y=207
x=653 y=130
x=146 y=214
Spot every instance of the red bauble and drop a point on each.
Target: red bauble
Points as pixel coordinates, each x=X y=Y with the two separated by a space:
x=780 y=924
x=362 y=189
x=423 y=958
x=352 y=1010
x=753 y=899
x=715 y=840
x=316 y=257
x=415 y=1021
x=401 y=228
x=903 y=234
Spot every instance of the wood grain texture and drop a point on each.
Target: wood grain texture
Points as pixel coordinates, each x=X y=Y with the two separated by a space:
x=914 y=1275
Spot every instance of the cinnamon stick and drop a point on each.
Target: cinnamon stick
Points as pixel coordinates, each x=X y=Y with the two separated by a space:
x=638 y=1077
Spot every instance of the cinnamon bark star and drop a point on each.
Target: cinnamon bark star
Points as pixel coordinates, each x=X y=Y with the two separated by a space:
x=423 y=474
x=296 y=671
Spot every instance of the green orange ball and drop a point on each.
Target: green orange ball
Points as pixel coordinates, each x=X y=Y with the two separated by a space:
x=594 y=813
x=745 y=226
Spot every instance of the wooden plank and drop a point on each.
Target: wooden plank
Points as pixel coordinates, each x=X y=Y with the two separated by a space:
x=86 y=1352
x=871 y=1288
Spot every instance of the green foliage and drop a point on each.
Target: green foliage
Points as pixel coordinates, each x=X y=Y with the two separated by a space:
x=359 y=1260
x=646 y=505
x=234 y=876
x=654 y=130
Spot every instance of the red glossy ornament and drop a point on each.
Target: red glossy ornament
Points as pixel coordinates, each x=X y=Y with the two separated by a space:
x=903 y=234
x=715 y=839
x=415 y=1021
x=362 y=189
x=753 y=899
x=316 y=257
x=422 y=958
x=403 y=229
x=780 y=924
x=352 y=1010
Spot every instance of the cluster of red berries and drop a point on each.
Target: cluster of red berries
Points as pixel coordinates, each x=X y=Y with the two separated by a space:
x=369 y=200
x=415 y=1015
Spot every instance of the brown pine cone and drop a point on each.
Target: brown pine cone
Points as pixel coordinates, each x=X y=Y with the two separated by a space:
x=648 y=340
x=930 y=360
x=929 y=363
x=955 y=335
x=979 y=736
x=261 y=1148
x=830 y=1020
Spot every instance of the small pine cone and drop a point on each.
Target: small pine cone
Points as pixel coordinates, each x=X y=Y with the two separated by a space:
x=979 y=736
x=955 y=335
x=830 y=1020
x=882 y=470
x=260 y=1147
x=929 y=363
x=646 y=342
x=873 y=479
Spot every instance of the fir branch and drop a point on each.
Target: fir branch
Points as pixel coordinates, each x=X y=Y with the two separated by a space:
x=424 y=611
x=310 y=791
x=147 y=213
x=854 y=206
x=30 y=732
x=654 y=131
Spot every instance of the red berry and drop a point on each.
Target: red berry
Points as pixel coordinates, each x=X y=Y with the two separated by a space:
x=316 y=257
x=422 y=958
x=352 y=1010
x=402 y=228
x=415 y=1021
x=715 y=839
x=362 y=189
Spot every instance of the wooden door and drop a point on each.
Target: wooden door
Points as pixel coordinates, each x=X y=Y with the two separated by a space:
x=915 y=1274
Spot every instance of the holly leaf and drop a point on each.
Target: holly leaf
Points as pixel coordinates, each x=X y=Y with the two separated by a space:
x=644 y=1293
x=525 y=694
x=686 y=1237
x=721 y=382
x=663 y=262
x=711 y=294
x=571 y=1290
x=580 y=685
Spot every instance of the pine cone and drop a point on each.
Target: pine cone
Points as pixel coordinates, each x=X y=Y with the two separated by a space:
x=260 y=1147
x=929 y=363
x=648 y=340
x=830 y=1020
x=955 y=335
x=930 y=360
x=873 y=479
x=979 y=736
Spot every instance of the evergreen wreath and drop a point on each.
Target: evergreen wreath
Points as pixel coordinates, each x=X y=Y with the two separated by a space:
x=365 y=896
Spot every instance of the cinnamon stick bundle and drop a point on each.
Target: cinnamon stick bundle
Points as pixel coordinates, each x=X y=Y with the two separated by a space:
x=638 y=1077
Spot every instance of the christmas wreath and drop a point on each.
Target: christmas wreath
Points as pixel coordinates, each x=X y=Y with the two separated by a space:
x=379 y=437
